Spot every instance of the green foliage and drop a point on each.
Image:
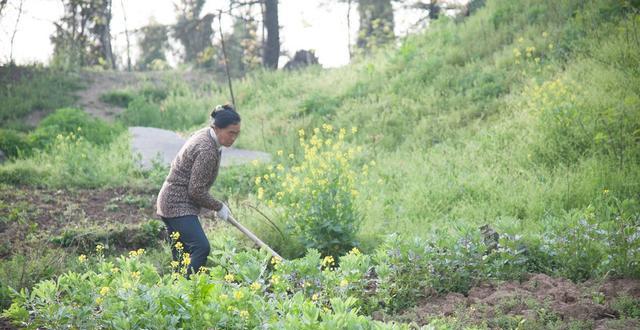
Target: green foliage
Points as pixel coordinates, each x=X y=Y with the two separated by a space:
x=73 y=121
x=14 y=143
x=178 y=108
x=153 y=46
x=24 y=89
x=117 y=98
x=118 y=236
x=24 y=270
x=627 y=307
x=129 y=292
x=317 y=192
x=71 y=160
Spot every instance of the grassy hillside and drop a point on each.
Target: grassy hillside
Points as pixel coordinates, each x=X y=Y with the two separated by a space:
x=524 y=117
x=517 y=116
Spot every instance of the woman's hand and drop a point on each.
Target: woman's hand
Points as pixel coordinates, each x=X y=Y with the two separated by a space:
x=224 y=213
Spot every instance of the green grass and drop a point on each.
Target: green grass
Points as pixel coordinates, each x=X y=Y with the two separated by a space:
x=25 y=89
x=519 y=117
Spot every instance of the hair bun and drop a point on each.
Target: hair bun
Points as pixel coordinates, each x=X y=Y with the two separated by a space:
x=221 y=107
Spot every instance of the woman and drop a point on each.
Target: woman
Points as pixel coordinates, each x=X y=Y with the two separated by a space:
x=185 y=191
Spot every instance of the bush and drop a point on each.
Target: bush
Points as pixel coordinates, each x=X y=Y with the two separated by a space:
x=14 y=143
x=70 y=120
x=317 y=193
x=71 y=161
x=16 y=174
x=141 y=112
x=117 y=98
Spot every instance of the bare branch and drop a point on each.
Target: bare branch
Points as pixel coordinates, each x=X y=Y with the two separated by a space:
x=15 y=29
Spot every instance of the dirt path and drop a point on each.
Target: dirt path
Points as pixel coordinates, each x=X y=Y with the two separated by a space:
x=101 y=82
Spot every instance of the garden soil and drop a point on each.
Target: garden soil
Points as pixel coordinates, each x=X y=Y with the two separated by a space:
x=538 y=296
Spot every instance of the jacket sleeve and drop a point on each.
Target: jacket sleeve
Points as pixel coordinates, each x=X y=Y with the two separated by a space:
x=201 y=179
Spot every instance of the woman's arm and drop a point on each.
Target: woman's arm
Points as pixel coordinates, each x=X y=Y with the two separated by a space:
x=201 y=179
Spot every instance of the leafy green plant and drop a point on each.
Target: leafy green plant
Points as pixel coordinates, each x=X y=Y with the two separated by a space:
x=14 y=143
x=117 y=98
x=73 y=121
x=317 y=193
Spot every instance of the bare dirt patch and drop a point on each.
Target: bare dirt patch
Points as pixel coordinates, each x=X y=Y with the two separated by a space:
x=540 y=300
x=48 y=212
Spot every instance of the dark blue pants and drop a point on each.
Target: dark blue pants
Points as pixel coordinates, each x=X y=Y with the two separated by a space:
x=193 y=239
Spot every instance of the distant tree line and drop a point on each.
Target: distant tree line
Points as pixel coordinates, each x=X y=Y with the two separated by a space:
x=83 y=35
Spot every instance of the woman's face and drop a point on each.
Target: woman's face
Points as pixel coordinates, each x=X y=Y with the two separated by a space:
x=228 y=135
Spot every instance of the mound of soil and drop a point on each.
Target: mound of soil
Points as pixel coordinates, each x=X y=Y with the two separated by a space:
x=540 y=296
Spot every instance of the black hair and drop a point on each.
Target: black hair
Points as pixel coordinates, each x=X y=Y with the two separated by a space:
x=224 y=115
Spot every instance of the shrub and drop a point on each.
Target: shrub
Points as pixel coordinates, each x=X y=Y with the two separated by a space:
x=117 y=98
x=70 y=120
x=141 y=112
x=317 y=193
x=14 y=143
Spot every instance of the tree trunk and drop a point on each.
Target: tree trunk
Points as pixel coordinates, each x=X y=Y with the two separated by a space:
x=105 y=36
x=272 y=46
x=376 y=23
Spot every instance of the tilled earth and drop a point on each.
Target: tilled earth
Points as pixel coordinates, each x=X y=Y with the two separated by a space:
x=539 y=300
x=27 y=212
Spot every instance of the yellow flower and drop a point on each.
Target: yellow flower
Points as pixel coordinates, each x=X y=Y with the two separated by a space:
x=82 y=258
x=258 y=180
x=291 y=156
x=260 y=193
x=186 y=259
x=175 y=235
x=354 y=130
x=301 y=132
x=238 y=295
x=275 y=279
x=229 y=278
x=327 y=261
x=104 y=291
x=140 y=251
x=244 y=314
x=344 y=283
x=99 y=300
x=255 y=286
x=175 y=264
x=179 y=246
x=255 y=162
x=280 y=152
x=275 y=260
x=314 y=297
x=135 y=274
x=355 y=251
x=99 y=248
x=606 y=191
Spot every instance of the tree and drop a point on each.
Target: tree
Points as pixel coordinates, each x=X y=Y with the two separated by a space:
x=376 y=24
x=271 y=52
x=153 y=45
x=83 y=35
x=194 y=33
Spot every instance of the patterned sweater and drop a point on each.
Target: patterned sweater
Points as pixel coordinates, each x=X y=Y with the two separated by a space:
x=186 y=189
